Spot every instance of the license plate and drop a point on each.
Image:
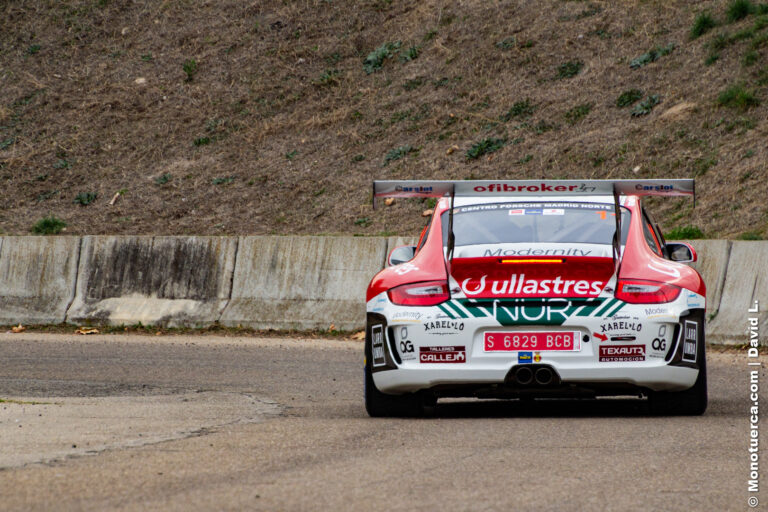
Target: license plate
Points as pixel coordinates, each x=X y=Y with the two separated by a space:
x=535 y=341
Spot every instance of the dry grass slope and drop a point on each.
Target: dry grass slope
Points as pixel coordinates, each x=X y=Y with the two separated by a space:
x=238 y=117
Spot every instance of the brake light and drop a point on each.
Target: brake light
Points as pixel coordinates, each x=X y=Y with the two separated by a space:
x=428 y=293
x=646 y=292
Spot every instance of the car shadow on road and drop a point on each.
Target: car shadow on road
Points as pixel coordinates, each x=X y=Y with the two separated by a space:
x=540 y=408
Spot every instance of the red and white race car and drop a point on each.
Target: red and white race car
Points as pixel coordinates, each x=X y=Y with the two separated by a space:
x=526 y=288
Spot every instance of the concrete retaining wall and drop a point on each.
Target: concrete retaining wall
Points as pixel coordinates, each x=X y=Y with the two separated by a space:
x=303 y=282
x=171 y=281
x=37 y=278
x=270 y=282
x=746 y=281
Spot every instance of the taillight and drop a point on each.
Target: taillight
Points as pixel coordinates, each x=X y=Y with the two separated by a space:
x=646 y=292
x=429 y=293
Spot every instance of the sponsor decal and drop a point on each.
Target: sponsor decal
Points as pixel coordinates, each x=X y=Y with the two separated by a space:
x=406 y=347
x=693 y=301
x=531 y=287
x=655 y=188
x=656 y=311
x=536 y=357
x=506 y=187
x=534 y=211
x=621 y=326
x=418 y=190
x=524 y=357
x=407 y=316
x=442 y=327
x=528 y=251
x=377 y=345
x=551 y=311
x=621 y=353
x=690 y=338
x=455 y=354
x=517 y=212
x=554 y=211
x=404 y=268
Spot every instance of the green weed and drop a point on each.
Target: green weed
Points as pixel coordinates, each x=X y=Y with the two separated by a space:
x=358 y=158
x=412 y=53
x=147 y=57
x=223 y=181
x=85 y=198
x=628 y=97
x=739 y=9
x=61 y=164
x=201 y=141
x=543 y=127
x=703 y=23
x=46 y=196
x=190 y=68
x=398 y=153
x=736 y=96
x=363 y=221
x=651 y=56
x=329 y=78
x=750 y=58
x=645 y=106
x=376 y=58
x=685 y=233
x=750 y=235
x=578 y=113
x=711 y=59
x=5 y=144
x=507 y=43
x=525 y=159
x=50 y=225
x=410 y=85
x=291 y=154
x=484 y=147
x=33 y=49
x=569 y=69
x=519 y=110
x=162 y=180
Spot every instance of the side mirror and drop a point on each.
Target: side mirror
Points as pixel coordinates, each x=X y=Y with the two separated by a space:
x=681 y=252
x=401 y=254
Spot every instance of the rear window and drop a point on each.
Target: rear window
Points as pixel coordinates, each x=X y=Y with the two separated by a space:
x=504 y=223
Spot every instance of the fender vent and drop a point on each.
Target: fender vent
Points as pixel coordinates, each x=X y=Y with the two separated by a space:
x=393 y=346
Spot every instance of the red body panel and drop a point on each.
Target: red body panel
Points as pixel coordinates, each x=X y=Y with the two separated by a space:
x=493 y=277
x=638 y=262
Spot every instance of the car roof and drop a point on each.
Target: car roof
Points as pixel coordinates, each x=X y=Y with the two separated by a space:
x=602 y=199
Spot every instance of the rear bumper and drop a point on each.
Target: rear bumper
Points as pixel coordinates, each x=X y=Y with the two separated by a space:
x=657 y=378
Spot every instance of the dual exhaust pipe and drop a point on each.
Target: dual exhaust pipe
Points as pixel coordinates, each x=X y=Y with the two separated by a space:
x=529 y=375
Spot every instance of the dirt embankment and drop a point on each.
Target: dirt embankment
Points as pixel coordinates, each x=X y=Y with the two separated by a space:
x=234 y=117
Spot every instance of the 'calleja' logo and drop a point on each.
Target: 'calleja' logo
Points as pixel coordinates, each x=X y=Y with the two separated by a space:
x=531 y=287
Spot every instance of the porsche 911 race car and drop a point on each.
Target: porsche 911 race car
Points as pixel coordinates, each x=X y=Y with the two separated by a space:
x=546 y=288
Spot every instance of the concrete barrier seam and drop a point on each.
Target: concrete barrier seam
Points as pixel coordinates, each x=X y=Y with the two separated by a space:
x=231 y=280
x=77 y=278
x=721 y=282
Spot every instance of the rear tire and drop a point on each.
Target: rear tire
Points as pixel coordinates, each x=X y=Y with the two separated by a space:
x=382 y=405
x=691 y=402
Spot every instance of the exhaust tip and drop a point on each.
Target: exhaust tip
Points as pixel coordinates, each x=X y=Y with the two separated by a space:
x=524 y=375
x=544 y=376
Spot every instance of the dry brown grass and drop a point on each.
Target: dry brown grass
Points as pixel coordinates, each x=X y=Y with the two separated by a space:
x=292 y=144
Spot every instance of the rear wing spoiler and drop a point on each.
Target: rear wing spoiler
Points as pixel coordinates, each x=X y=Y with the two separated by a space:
x=530 y=188
x=535 y=188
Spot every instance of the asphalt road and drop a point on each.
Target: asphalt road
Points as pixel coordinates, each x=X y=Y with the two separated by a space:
x=202 y=423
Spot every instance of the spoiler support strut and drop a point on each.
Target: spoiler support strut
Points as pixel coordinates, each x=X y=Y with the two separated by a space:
x=617 y=235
